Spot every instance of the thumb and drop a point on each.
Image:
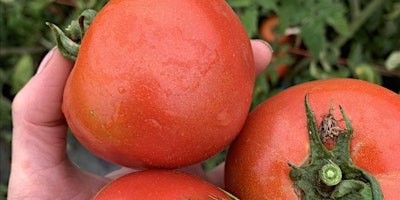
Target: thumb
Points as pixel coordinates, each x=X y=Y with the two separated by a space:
x=262 y=53
x=39 y=128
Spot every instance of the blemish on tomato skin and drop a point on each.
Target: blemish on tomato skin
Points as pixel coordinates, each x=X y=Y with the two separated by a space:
x=91 y=112
x=153 y=123
x=121 y=90
x=224 y=117
x=107 y=126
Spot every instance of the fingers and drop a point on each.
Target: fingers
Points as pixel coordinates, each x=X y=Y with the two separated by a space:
x=39 y=131
x=262 y=52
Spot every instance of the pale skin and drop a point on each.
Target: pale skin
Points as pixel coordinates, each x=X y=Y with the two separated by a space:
x=40 y=166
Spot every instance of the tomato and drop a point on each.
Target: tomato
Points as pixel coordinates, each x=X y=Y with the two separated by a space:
x=160 y=83
x=160 y=184
x=276 y=134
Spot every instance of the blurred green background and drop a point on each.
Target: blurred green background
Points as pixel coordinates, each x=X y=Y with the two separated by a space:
x=312 y=39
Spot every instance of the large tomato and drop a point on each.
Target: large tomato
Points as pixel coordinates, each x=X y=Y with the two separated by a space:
x=160 y=184
x=276 y=133
x=160 y=83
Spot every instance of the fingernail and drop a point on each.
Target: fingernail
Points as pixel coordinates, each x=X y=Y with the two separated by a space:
x=45 y=61
x=268 y=45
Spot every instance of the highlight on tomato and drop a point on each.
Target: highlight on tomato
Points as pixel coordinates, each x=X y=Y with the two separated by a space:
x=160 y=184
x=159 y=83
x=341 y=142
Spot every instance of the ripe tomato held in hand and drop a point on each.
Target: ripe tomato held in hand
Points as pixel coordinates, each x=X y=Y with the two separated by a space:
x=276 y=134
x=160 y=83
x=160 y=184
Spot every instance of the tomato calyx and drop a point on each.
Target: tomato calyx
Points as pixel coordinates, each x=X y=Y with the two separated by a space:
x=231 y=196
x=330 y=174
x=68 y=42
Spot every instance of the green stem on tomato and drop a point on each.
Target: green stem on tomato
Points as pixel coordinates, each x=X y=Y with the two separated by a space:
x=330 y=174
x=68 y=42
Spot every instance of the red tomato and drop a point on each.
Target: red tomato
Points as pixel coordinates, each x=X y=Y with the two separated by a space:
x=160 y=83
x=160 y=184
x=276 y=133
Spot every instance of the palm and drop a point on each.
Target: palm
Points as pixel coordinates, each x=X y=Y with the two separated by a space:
x=64 y=182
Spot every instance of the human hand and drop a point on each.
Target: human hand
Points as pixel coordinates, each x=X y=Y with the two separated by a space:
x=40 y=166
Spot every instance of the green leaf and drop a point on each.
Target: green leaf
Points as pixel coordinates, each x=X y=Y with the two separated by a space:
x=267 y=5
x=38 y=6
x=366 y=72
x=261 y=89
x=313 y=34
x=346 y=189
x=23 y=71
x=250 y=21
x=393 y=61
x=240 y=3
x=315 y=71
x=356 y=55
x=7 y=1
x=338 y=21
x=334 y=14
x=319 y=71
x=330 y=55
x=290 y=14
x=3 y=77
x=5 y=112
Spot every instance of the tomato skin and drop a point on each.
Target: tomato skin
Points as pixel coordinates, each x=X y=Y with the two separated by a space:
x=159 y=184
x=276 y=133
x=160 y=83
